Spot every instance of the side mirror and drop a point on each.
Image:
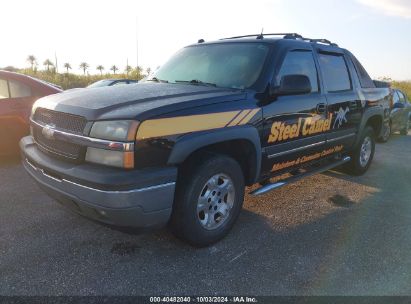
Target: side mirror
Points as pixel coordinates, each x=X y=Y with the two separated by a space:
x=293 y=85
x=399 y=105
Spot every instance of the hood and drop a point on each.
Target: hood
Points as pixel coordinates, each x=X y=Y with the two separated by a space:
x=135 y=101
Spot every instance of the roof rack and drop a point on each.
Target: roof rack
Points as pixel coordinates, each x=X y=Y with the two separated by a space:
x=324 y=41
x=294 y=36
x=261 y=36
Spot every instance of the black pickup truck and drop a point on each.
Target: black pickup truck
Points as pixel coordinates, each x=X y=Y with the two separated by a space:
x=181 y=146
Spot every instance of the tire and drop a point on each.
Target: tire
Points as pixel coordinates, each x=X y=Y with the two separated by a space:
x=206 y=192
x=407 y=127
x=363 y=154
x=387 y=133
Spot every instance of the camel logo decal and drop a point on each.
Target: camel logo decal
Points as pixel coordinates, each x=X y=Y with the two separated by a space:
x=340 y=117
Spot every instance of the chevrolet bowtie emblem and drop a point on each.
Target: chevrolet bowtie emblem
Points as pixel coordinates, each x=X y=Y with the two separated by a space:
x=48 y=132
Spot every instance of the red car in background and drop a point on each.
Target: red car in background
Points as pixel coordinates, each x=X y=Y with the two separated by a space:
x=17 y=94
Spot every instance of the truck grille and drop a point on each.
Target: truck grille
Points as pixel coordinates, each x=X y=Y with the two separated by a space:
x=61 y=121
x=58 y=147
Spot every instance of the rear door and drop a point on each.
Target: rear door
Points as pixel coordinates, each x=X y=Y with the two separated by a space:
x=15 y=107
x=408 y=108
x=344 y=106
x=396 y=112
x=403 y=111
x=293 y=127
x=5 y=112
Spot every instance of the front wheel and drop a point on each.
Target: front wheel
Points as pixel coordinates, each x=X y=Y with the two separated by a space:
x=363 y=154
x=208 y=200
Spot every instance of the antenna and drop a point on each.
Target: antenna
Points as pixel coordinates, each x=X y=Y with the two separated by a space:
x=261 y=35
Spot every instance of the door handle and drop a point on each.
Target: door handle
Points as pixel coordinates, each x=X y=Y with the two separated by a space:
x=321 y=107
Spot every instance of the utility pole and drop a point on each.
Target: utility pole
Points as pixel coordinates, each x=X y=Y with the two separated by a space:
x=137 y=42
x=56 y=65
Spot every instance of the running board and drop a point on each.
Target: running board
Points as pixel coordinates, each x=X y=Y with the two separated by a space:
x=273 y=186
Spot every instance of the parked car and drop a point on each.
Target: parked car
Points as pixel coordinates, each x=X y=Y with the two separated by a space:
x=180 y=147
x=17 y=94
x=400 y=115
x=111 y=82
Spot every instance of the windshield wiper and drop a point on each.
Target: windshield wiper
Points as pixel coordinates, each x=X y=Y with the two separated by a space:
x=196 y=81
x=155 y=79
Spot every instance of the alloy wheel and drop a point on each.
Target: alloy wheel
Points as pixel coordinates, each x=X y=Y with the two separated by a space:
x=365 y=152
x=215 y=201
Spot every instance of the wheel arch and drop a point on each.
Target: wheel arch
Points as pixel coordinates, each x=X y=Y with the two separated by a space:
x=374 y=118
x=241 y=143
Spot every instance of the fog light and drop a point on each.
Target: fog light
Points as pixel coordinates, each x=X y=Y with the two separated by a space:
x=110 y=158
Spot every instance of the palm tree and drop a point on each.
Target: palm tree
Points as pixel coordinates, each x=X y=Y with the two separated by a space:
x=84 y=66
x=148 y=70
x=47 y=63
x=128 y=69
x=100 y=68
x=32 y=60
x=139 y=71
x=114 y=69
x=67 y=66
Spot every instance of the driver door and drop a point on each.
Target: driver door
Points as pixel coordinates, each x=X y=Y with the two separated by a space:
x=294 y=126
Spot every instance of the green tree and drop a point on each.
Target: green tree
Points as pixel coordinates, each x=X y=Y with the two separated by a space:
x=100 y=68
x=47 y=63
x=67 y=66
x=137 y=73
x=128 y=69
x=114 y=69
x=32 y=60
x=84 y=66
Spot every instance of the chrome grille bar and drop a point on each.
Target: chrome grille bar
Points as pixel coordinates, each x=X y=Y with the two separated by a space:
x=86 y=141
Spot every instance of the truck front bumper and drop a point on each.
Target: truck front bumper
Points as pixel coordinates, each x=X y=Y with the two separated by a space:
x=137 y=198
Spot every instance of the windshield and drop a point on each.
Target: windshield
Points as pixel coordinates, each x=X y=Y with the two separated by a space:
x=100 y=83
x=229 y=65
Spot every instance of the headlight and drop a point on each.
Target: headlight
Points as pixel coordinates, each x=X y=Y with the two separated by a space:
x=122 y=133
x=121 y=130
x=110 y=158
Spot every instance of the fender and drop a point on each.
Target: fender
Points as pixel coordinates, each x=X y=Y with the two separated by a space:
x=188 y=144
x=368 y=113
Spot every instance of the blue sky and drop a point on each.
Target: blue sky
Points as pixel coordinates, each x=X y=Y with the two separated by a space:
x=104 y=32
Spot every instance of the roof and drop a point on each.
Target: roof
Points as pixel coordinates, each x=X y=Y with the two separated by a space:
x=28 y=79
x=274 y=38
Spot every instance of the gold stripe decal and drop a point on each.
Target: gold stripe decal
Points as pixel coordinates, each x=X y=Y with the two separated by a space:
x=248 y=117
x=240 y=116
x=183 y=124
x=193 y=123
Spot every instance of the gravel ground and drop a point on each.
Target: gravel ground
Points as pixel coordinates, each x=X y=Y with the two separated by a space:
x=330 y=234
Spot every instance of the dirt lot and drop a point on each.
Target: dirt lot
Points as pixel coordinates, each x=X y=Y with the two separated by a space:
x=328 y=234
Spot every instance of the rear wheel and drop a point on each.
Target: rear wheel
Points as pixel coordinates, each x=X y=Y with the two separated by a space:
x=363 y=154
x=208 y=200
